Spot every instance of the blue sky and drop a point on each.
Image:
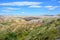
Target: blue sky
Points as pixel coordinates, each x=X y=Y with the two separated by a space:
x=29 y=7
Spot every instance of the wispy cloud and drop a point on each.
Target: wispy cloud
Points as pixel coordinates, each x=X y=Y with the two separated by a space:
x=25 y=3
x=35 y=6
x=6 y=11
x=53 y=0
x=22 y=12
x=9 y=9
x=51 y=7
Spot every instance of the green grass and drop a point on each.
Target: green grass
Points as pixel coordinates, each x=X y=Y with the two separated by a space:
x=50 y=31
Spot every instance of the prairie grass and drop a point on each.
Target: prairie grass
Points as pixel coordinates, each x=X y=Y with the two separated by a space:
x=49 y=29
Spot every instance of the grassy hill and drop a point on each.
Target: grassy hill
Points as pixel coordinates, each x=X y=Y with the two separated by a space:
x=48 y=29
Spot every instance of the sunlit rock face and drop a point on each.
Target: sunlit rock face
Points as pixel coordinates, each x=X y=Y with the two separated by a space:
x=36 y=20
x=1 y=18
x=30 y=18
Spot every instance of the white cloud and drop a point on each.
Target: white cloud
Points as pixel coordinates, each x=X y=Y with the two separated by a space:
x=26 y=3
x=5 y=10
x=9 y=9
x=53 y=0
x=35 y=6
x=51 y=7
x=22 y=12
